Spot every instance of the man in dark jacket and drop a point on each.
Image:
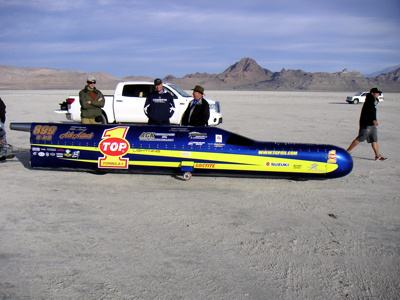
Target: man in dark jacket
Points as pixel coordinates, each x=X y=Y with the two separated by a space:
x=91 y=100
x=2 y=112
x=159 y=106
x=198 y=110
x=368 y=124
x=3 y=140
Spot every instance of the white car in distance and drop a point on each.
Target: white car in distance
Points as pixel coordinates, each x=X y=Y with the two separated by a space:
x=360 y=98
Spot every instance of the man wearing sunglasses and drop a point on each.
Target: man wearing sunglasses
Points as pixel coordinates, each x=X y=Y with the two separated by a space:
x=91 y=100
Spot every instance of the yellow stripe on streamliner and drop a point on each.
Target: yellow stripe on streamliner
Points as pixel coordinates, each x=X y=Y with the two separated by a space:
x=239 y=162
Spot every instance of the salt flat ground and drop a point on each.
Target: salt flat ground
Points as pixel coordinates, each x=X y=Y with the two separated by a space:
x=76 y=235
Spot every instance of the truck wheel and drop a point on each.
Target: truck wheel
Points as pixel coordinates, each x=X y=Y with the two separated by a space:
x=355 y=101
x=104 y=119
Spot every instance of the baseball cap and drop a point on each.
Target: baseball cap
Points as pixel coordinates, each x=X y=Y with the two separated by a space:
x=91 y=78
x=375 y=90
x=157 y=81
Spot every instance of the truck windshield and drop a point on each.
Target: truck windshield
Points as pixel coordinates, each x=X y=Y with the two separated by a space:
x=179 y=90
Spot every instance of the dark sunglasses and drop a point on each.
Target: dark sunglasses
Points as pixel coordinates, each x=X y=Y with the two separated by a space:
x=90 y=82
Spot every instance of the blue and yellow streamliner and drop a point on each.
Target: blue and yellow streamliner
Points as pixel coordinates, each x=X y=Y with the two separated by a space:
x=178 y=150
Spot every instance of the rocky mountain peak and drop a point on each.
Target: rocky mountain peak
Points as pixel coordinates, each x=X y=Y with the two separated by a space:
x=245 y=69
x=393 y=76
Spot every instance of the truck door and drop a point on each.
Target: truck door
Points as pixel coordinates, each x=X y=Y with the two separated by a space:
x=128 y=107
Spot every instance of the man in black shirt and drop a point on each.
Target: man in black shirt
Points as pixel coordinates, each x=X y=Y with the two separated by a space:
x=368 y=124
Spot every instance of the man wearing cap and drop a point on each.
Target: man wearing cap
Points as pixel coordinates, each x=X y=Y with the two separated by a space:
x=159 y=105
x=91 y=100
x=368 y=124
x=198 y=110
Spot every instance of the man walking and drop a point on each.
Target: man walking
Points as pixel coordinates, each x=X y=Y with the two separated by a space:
x=368 y=124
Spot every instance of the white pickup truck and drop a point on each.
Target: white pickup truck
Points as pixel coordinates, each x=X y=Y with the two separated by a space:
x=126 y=106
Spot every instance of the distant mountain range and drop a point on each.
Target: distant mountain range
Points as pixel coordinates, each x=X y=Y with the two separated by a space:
x=243 y=75
x=383 y=72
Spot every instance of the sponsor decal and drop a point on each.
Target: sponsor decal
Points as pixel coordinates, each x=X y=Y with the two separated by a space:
x=76 y=136
x=157 y=137
x=67 y=153
x=59 y=155
x=272 y=152
x=272 y=164
x=204 y=166
x=314 y=167
x=216 y=145
x=218 y=138
x=76 y=154
x=78 y=128
x=196 y=143
x=332 y=157
x=41 y=154
x=186 y=154
x=178 y=129
x=160 y=100
x=194 y=135
x=114 y=145
x=145 y=150
x=146 y=136
x=35 y=149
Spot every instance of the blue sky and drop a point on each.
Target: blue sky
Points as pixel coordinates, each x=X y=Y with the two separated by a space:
x=159 y=38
